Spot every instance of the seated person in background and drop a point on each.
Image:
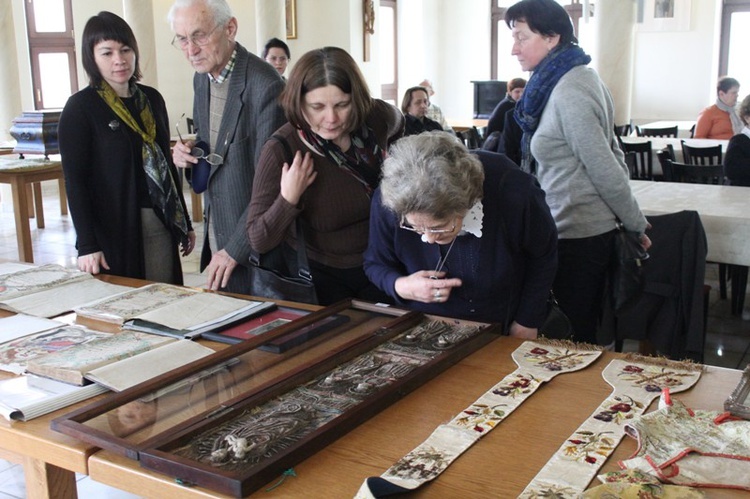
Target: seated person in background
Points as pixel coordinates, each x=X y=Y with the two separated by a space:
x=737 y=158
x=460 y=234
x=433 y=110
x=720 y=121
x=276 y=53
x=497 y=118
x=414 y=106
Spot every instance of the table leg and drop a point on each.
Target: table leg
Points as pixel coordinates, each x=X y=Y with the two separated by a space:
x=21 y=213
x=38 y=205
x=30 y=200
x=63 y=197
x=197 y=202
x=44 y=480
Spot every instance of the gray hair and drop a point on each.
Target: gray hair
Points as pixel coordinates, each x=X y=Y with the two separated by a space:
x=744 y=111
x=220 y=10
x=431 y=173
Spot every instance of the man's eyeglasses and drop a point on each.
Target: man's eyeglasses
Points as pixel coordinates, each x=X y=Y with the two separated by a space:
x=425 y=230
x=199 y=39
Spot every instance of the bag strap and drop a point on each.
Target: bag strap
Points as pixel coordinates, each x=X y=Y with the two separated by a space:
x=303 y=265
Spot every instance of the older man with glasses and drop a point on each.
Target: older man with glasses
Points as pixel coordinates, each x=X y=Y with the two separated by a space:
x=235 y=110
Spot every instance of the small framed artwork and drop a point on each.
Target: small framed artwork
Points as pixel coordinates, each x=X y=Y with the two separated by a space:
x=291 y=19
x=665 y=15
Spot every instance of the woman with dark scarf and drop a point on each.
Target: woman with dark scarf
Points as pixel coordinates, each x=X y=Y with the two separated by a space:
x=567 y=117
x=129 y=214
x=338 y=135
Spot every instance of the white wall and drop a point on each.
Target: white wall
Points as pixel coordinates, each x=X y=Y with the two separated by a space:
x=443 y=40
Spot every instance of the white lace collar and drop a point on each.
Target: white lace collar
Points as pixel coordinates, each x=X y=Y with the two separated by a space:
x=746 y=131
x=473 y=220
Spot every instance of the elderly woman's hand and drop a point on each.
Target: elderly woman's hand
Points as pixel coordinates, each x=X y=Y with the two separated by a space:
x=519 y=331
x=297 y=177
x=426 y=286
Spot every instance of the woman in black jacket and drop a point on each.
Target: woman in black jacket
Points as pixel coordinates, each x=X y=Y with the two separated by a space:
x=737 y=159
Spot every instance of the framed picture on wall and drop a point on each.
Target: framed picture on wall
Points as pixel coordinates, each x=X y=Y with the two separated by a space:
x=291 y=19
x=665 y=15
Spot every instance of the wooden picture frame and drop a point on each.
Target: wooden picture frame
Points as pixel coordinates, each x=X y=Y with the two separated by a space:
x=336 y=383
x=666 y=15
x=291 y=19
x=738 y=403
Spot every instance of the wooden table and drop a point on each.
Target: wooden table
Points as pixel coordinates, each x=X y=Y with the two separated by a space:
x=683 y=126
x=22 y=174
x=463 y=125
x=499 y=465
x=723 y=210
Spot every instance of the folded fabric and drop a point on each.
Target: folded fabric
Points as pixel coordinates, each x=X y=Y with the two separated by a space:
x=634 y=484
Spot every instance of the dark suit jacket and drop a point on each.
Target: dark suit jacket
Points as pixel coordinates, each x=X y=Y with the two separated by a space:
x=737 y=160
x=251 y=115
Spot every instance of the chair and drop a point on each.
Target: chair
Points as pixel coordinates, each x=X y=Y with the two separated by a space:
x=701 y=155
x=470 y=137
x=623 y=130
x=657 y=132
x=693 y=174
x=644 y=163
x=190 y=125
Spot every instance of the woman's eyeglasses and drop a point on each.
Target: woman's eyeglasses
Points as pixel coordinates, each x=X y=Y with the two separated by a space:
x=426 y=230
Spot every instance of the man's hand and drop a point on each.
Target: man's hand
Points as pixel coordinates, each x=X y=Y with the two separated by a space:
x=181 y=154
x=92 y=263
x=188 y=246
x=219 y=270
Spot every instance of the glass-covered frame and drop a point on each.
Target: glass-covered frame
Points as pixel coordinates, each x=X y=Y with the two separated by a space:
x=237 y=387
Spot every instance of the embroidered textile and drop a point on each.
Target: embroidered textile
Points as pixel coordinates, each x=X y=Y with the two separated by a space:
x=636 y=384
x=636 y=485
x=696 y=448
x=537 y=362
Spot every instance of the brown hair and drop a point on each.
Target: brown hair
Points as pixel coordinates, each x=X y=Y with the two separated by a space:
x=516 y=83
x=744 y=110
x=406 y=102
x=320 y=68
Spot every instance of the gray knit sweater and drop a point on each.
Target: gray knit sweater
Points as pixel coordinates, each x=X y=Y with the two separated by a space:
x=580 y=165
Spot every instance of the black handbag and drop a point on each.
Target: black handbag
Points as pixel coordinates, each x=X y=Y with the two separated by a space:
x=279 y=275
x=556 y=326
x=627 y=277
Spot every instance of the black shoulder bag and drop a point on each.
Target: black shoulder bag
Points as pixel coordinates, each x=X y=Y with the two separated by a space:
x=273 y=273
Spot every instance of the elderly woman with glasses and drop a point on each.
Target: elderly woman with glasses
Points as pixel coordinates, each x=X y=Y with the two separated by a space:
x=462 y=234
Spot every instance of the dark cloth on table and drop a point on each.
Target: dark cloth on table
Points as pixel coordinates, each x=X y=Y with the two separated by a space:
x=105 y=181
x=737 y=160
x=416 y=126
x=506 y=274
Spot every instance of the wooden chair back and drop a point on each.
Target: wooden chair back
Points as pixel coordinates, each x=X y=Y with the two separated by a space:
x=642 y=159
x=657 y=132
x=693 y=174
x=701 y=155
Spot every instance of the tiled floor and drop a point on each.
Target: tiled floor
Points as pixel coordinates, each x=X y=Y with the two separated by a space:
x=726 y=342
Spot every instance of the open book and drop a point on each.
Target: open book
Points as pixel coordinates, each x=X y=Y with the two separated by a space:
x=49 y=290
x=171 y=310
x=72 y=364
x=23 y=338
x=27 y=397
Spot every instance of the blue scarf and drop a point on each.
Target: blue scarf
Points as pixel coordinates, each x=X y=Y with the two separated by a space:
x=536 y=94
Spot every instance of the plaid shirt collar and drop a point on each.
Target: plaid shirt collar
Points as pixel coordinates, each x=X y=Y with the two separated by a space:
x=227 y=69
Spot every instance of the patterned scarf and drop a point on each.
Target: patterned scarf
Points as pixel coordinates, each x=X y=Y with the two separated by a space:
x=362 y=161
x=161 y=185
x=737 y=124
x=536 y=94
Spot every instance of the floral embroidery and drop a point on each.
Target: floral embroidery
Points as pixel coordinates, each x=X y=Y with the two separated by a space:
x=550 y=491
x=480 y=417
x=590 y=447
x=619 y=409
x=653 y=378
x=522 y=385
x=558 y=360
x=421 y=464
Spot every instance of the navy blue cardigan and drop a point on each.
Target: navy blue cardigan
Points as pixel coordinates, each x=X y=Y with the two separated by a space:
x=506 y=274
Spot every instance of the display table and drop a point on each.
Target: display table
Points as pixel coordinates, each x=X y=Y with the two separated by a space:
x=723 y=210
x=499 y=465
x=22 y=174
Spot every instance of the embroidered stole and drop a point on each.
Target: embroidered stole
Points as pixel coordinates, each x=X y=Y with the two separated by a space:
x=537 y=362
x=636 y=384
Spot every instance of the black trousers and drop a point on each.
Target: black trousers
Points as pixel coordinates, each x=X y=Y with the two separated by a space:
x=584 y=266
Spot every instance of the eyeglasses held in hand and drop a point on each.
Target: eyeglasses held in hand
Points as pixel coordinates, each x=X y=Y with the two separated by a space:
x=198 y=39
x=424 y=230
x=211 y=159
x=177 y=129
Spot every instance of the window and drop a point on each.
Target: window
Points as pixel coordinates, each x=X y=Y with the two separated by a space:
x=735 y=37
x=388 y=50
x=49 y=25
